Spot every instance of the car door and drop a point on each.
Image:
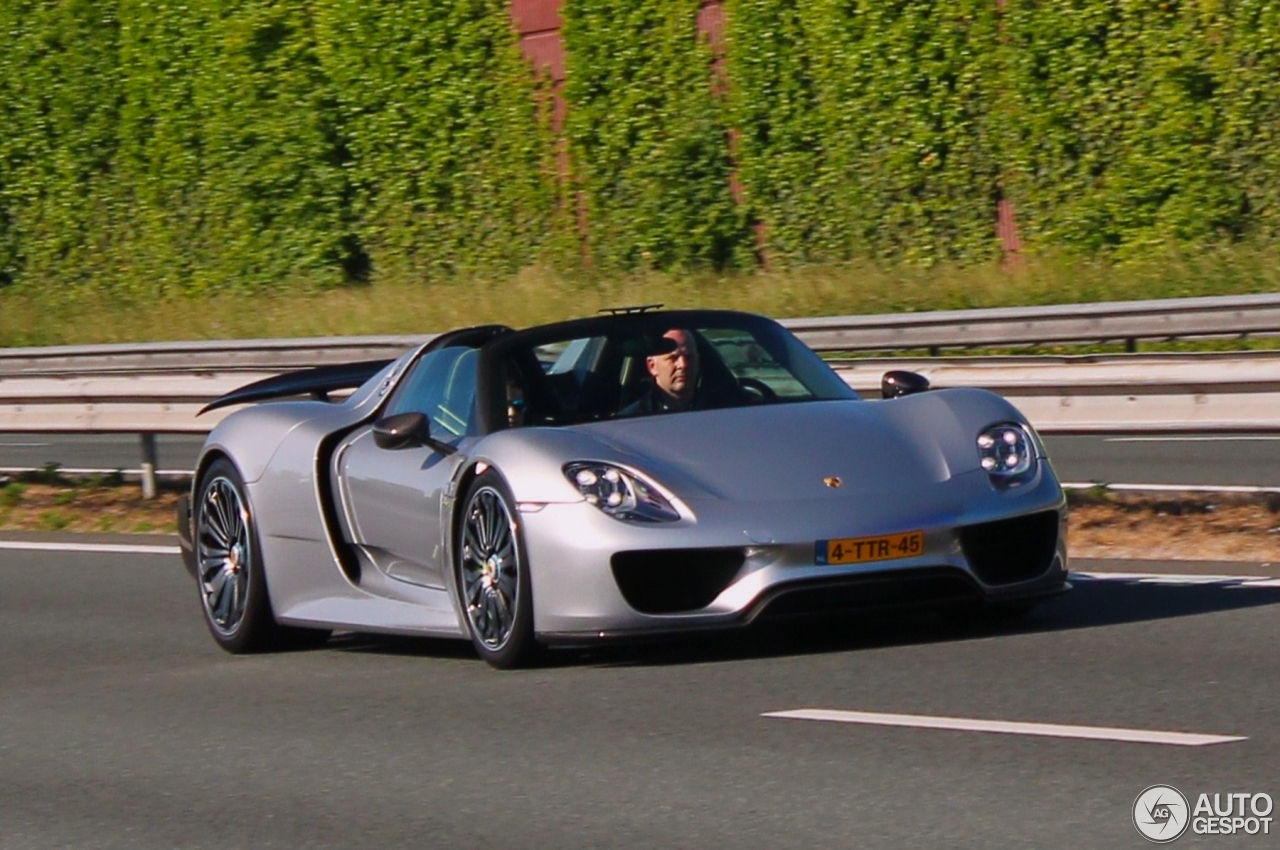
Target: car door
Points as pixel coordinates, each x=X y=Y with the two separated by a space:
x=393 y=497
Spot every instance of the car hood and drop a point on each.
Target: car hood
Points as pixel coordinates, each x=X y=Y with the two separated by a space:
x=904 y=463
x=782 y=452
x=798 y=451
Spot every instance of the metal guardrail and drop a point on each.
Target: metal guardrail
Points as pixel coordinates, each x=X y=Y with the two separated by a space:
x=1129 y=322
x=158 y=387
x=1119 y=392
x=154 y=358
x=1133 y=393
x=1126 y=321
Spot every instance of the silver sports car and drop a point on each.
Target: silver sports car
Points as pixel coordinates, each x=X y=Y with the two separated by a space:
x=627 y=474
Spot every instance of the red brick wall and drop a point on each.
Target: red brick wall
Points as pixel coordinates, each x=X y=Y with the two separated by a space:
x=538 y=22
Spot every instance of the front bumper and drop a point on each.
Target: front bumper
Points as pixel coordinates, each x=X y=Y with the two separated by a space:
x=576 y=583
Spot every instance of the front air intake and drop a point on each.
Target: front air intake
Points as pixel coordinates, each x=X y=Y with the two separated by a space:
x=1008 y=551
x=667 y=581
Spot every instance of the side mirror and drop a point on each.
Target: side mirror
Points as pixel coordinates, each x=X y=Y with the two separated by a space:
x=900 y=382
x=402 y=431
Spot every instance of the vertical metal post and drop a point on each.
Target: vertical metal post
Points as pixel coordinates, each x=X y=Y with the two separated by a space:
x=148 y=466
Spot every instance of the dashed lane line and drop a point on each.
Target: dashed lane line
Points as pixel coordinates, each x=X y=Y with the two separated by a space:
x=1175 y=579
x=1195 y=438
x=1206 y=489
x=1008 y=727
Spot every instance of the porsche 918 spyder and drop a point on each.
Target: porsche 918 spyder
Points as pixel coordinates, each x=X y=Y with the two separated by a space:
x=527 y=488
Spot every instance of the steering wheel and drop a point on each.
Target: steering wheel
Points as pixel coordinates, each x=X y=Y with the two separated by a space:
x=758 y=392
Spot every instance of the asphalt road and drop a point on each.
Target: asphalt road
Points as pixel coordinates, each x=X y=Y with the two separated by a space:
x=96 y=451
x=1194 y=459
x=122 y=725
x=1248 y=460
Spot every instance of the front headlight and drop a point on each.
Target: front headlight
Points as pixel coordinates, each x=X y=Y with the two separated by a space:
x=1006 y=451
x=620 y=493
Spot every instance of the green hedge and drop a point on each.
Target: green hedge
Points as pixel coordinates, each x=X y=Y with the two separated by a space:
x=891 y=129
x=60 y=95
x=452 y=165
x=865 y=126
x=1146 y=126
x=649 y=137
x=266 y=143
x=1119 y=111
x=230 y=159
x=259 y=144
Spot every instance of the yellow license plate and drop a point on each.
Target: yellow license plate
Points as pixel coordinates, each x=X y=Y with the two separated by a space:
x=860 y=550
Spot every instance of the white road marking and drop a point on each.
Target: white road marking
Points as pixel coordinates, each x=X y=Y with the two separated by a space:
x=25 y=445
x=1171 y=488
x=1221 y=438
x=83 y=470
x=1051 y=730
x=105 y=548
x=1177 y=579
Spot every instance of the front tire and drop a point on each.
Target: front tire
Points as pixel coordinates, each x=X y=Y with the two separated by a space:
x=229 y=571
x=493 y=575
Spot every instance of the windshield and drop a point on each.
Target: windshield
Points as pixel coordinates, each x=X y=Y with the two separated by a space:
x=660 y=364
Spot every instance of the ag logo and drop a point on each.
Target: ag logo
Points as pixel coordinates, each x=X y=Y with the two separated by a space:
x=1161 y=814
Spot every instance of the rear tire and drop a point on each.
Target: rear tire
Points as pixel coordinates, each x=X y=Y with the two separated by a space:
x=492 y=575
x=229 y=572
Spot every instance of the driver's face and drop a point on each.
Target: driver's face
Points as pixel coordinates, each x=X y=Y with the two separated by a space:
x=676 y=373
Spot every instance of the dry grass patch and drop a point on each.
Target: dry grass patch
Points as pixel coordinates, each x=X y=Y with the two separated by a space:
x=117 y=509
x=1219 y=527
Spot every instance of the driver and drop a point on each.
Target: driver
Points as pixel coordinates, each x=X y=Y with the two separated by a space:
x=675 y=376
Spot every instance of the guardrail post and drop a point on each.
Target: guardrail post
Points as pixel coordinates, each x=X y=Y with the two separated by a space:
x=148 y=466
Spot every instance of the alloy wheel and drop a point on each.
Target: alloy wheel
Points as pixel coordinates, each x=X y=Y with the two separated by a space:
x=490 y=572
x=223 y=552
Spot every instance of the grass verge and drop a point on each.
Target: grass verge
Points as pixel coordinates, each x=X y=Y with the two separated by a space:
x=69 y=316
x=47 y=502
x=1175 y=526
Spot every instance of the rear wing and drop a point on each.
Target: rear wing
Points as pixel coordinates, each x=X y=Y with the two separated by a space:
x=317 y=383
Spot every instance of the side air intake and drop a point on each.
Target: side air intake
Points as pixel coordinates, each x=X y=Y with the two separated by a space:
x=667 y=581
x=1011 y=550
